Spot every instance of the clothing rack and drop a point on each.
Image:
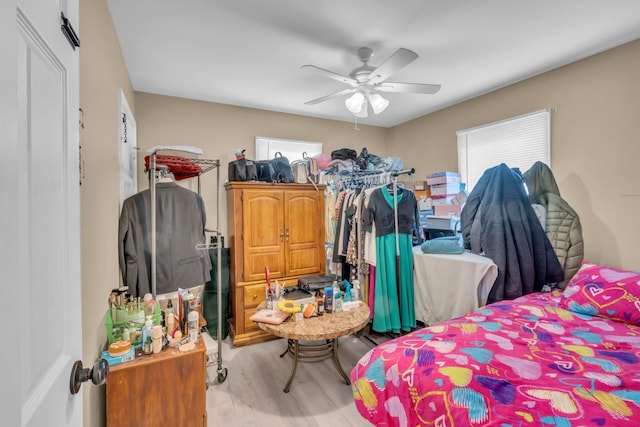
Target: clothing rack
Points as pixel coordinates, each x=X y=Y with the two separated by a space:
x=357 y=177
x=389 y=179
x=203 y=166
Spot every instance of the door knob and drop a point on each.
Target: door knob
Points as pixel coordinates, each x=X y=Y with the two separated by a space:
x=97 y=374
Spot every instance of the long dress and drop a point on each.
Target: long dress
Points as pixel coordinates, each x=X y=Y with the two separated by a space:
x=389 y=314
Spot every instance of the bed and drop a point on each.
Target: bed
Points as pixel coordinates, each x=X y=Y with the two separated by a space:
x=564 y=358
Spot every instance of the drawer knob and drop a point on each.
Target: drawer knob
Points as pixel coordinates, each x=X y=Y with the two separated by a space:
x=255 y=296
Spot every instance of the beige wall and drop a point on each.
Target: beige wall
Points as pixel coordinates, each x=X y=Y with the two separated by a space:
x=102 y=75
x=595 y=104
x=218 y=129
x=594 y=143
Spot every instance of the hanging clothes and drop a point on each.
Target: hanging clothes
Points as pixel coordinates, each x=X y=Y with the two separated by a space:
x=394 y=268
x=498 y=220
x=180 y=223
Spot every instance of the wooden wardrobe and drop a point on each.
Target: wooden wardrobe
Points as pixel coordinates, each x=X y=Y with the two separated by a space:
x=277 y=225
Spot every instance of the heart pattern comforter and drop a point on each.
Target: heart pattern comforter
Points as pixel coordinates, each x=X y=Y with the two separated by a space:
x=526 y=362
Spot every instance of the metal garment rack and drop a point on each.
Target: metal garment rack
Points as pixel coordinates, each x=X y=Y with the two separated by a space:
x=206 y=166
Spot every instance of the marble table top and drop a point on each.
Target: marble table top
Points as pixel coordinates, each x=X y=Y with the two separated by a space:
x=327 y=326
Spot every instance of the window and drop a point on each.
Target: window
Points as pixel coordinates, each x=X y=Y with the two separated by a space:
x=518 y=142
x=266 y=148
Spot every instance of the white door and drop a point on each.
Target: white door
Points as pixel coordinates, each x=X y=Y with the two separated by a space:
x=48 y=204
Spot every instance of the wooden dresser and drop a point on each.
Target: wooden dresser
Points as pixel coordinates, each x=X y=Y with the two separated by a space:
x=276 y=225
x=167 y=388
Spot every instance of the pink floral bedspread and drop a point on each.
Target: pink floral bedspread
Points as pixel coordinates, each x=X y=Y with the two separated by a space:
x=518 y=363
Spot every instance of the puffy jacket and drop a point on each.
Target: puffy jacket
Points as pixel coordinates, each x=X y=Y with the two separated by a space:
x=563 y=226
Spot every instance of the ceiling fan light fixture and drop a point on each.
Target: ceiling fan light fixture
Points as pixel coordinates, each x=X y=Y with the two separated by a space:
x=378 y=103
x=363 y=111
x=355 y=102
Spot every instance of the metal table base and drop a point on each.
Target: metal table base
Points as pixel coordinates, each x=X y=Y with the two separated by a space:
x=313 y=353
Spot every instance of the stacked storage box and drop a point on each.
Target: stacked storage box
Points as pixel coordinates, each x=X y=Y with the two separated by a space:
x=444 y=187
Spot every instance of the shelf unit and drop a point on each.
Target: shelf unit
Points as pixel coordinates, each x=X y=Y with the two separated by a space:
x=198 y=168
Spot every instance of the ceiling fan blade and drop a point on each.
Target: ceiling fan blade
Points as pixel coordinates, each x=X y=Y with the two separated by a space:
x=339 y=77
x=408 y=87
x=400 y=59
x=333 y=95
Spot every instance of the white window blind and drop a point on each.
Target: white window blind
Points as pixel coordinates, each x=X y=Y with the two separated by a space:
x=266 y=148
x=518 y=142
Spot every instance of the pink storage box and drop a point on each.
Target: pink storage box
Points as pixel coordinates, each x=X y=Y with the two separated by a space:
x=443 y=178
x=447 y=189
x=441 y=200
x=447 y=210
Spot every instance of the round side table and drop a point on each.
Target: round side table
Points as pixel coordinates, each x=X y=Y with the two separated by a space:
x=328 y=328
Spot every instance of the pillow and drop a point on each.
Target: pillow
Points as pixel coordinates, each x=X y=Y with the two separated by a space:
x=605 y=292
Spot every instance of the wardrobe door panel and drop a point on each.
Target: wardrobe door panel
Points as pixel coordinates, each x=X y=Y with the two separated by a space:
x=263 y=233
x=304 y=232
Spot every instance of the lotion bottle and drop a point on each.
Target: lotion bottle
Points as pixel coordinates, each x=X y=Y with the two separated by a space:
x=193 y=322
x=157 y=339
x=171 y=323
x=337 y=297
x=169 y=317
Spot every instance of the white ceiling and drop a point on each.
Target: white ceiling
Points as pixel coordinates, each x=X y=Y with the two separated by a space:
x=249 y=52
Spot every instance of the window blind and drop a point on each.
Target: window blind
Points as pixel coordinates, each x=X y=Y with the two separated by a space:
x=266 y=148
x=517 y=142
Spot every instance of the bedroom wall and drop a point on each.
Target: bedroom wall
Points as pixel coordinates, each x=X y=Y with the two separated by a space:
x=595 y=106
x=102 y=75
x=594 y=143
x=218 y=129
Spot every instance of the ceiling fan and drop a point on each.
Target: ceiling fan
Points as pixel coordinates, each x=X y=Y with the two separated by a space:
x=366 y=81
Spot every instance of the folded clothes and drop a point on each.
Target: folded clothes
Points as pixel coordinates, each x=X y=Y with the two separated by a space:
x=448 y=245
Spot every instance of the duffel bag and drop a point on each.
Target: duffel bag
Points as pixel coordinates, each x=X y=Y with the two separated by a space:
x=344 y=154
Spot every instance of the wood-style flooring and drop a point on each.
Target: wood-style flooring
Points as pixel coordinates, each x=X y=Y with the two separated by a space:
x=252 y=393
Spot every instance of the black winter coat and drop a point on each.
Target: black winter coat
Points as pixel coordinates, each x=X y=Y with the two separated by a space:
x=498 y=220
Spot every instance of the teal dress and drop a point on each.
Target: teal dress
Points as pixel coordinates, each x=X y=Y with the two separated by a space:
x=391 y=313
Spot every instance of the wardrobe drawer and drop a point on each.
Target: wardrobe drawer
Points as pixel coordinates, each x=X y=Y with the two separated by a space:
x=249 y=324
x=253 y=295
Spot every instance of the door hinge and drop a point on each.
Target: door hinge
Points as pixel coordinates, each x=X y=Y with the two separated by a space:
x=80 y=139
x=69 y=32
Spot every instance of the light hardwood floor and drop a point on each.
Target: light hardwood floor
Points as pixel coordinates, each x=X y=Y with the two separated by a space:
x=252 y=393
